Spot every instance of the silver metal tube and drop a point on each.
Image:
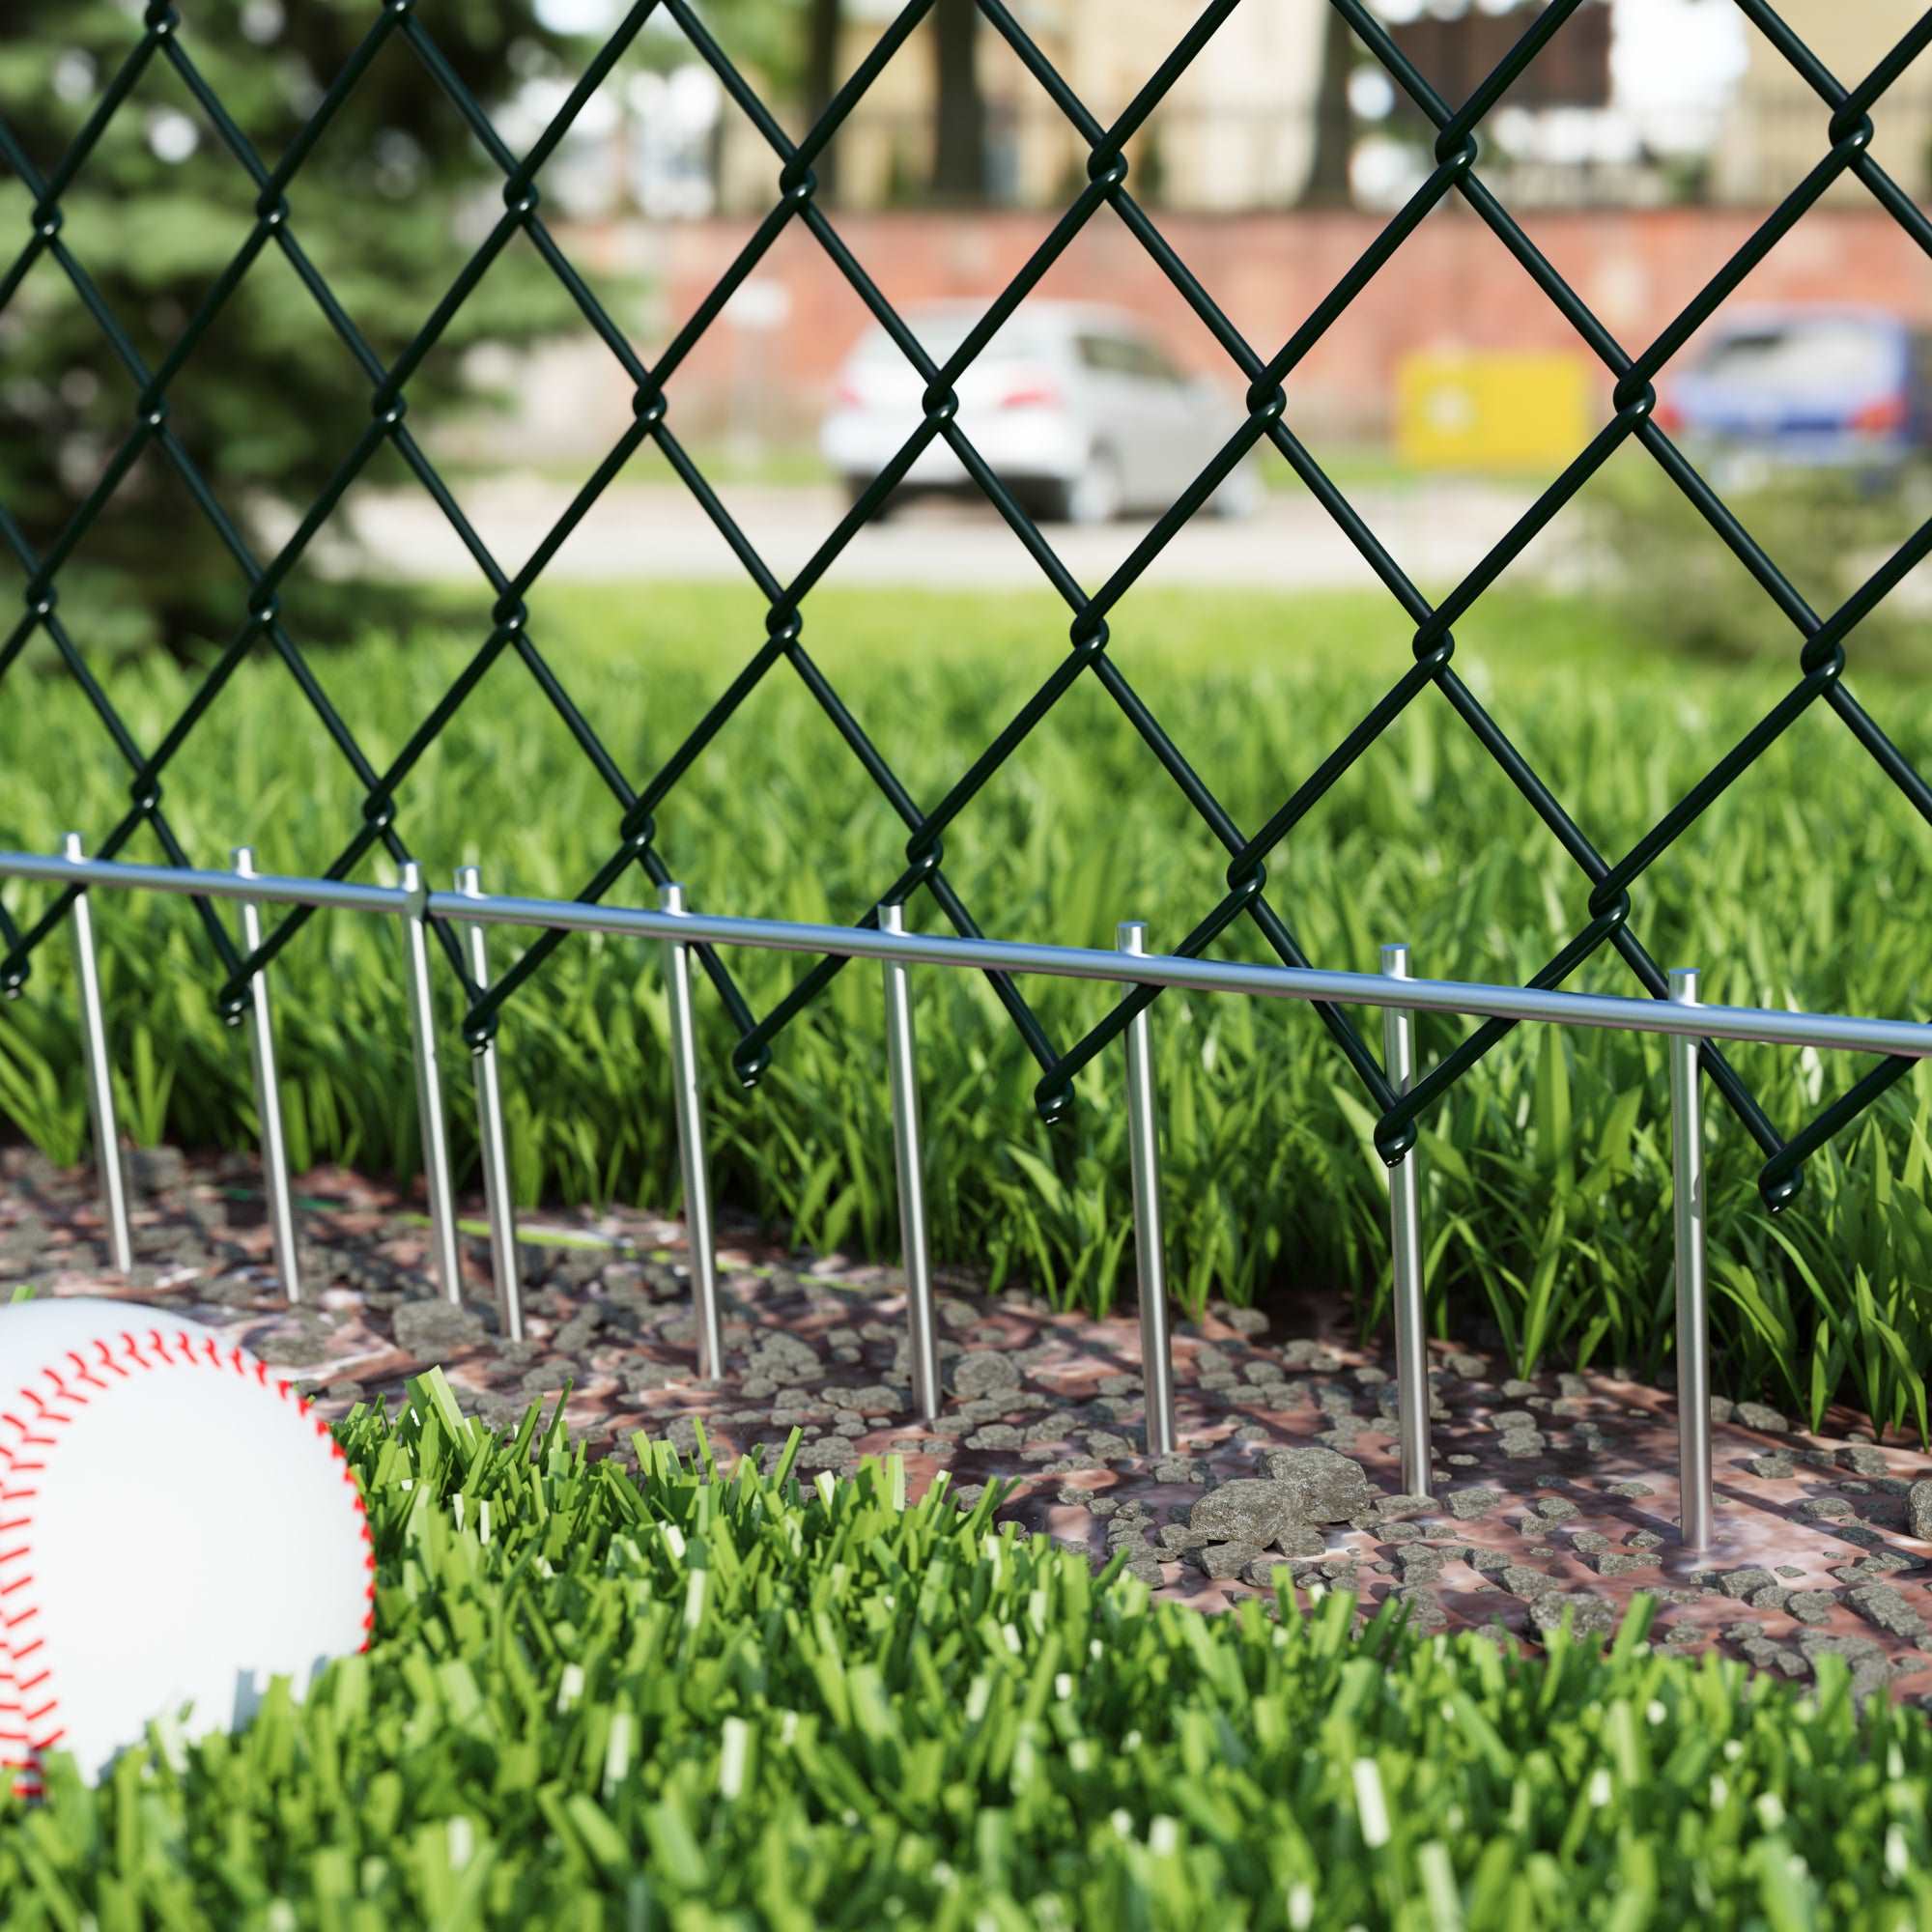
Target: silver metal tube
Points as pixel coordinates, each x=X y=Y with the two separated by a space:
x=269 y=1095
x=1909 y=1038
x=1150 y=1248
x=1693 y=1338
x=444 y=1258
x=493 y=1142
x=1411 y=1333
x=903 y=1077
x=99 y=1079
x=690 y=1108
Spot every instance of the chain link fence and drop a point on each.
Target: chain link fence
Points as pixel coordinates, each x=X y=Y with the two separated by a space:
x=165 y=36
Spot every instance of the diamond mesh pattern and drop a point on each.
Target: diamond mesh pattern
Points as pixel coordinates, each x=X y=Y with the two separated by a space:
x=1847 y=129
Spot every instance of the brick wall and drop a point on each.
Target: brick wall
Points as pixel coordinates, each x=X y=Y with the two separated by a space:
x=1452 y=283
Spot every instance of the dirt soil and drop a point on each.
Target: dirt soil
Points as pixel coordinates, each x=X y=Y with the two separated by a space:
x=1553 y=1497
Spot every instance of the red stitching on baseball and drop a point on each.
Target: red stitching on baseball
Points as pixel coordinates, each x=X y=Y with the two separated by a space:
x=25 y=1773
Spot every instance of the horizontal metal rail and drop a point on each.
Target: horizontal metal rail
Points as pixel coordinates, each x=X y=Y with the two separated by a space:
x=1681 y=1016
x=1905 y=1039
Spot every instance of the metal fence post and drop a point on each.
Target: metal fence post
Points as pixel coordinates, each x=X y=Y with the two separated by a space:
x=493 y=1142
x=444 y=1260
x=901 y=1073
x=689 y=1104
x=1694 y=1340
x=1150 y=1249
x=267 y=1093
x=100 y=1077
x=1411 y=1331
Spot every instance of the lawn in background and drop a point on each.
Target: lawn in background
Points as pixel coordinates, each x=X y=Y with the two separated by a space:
x=667 y=1699
x=1546 y=1174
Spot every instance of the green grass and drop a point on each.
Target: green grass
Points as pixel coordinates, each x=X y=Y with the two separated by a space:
x=677 y=1701
x=1546 y=1190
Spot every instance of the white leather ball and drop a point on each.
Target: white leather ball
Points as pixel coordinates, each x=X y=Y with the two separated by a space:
x=176 y=1528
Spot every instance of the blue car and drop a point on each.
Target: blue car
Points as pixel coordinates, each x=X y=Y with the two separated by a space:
x=1848 y=388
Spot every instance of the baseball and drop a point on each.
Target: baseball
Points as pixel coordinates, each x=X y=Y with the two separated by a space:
x=176 y=1528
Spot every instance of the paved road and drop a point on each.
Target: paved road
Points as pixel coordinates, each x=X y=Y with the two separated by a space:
x=1437 y=531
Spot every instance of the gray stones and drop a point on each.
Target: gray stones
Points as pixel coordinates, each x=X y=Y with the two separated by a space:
x=1394 y=1509
x=1739 y=1584
x=1249 y=1321
x=994 y=1435
x=1301 y=1539
x=1864 y=1460
x=1471 y=1367
x=1250 y=1509
x=1631 y=1491
x=1521 y=1580
x=1555 y=1509
x=1326 y=1487
x=1774 y=1467
x=1918 y=1501
x=1106 y=1444
x=432 y=1330
x=1585 y=1615
x=1721 y=1408
x=1824 y=1509
x=1517 y=1387
x=1761 y=1651
x=1811 y=1607
x=1222 y=1560
x=1756 y=1415
x=1178 y=1469
x=1880 y=1605
x=1421 y=1564
x=1615 y=1563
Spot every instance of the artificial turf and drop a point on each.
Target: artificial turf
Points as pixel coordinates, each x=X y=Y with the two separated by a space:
x=641 y=1695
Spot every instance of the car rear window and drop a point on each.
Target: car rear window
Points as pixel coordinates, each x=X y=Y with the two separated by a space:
x=939 y=334
x=1805 y=355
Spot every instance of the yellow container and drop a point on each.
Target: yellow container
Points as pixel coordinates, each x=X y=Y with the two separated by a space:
x=1492 y=410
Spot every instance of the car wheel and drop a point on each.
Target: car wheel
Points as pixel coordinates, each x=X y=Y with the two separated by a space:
x=1095 y=495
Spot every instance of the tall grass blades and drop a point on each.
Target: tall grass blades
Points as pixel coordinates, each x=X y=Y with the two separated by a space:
x=1545 y=1172
x=673 y=1698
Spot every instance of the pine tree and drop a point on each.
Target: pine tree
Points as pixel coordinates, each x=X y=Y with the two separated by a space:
x=387 y=206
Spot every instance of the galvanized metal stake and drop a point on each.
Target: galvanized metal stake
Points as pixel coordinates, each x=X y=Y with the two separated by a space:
x=269 y=1094
x=1694 y=1338
x=99 y=1080
x=447 y=1268
x=690 y=1107
x=901 y=1075
x=1411 y=1332
x=493 y=1142
x=1150 y=1250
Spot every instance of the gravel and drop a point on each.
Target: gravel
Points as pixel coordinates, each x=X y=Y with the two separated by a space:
x=1880 y=1605
x=1327 y=1487
x=1811 y=1607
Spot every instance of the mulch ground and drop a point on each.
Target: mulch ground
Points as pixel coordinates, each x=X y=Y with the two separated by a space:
x=1555 y=1496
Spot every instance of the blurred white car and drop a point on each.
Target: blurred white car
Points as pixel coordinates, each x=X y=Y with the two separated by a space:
x=1077 y=408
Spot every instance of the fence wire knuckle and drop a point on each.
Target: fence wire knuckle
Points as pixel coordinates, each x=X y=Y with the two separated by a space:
x=163 y=33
